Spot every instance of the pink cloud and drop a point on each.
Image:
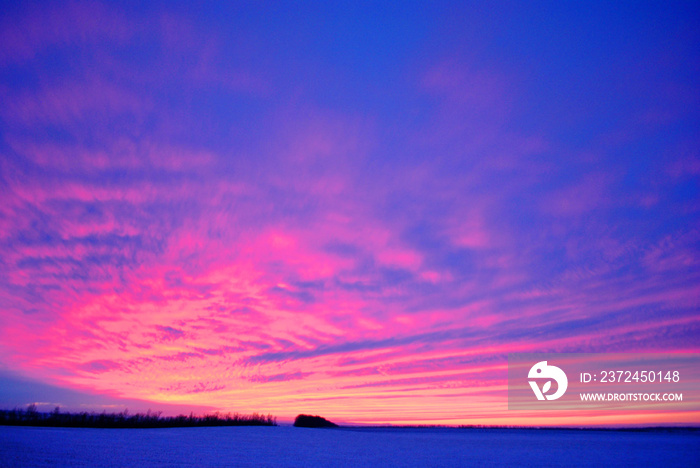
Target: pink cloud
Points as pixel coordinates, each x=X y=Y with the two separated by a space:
x=72 y=102
x=333 y=263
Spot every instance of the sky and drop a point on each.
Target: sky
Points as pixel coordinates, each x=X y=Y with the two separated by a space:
x=353 y=209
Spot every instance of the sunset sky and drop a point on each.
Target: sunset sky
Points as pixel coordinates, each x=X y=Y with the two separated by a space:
x=342 y=208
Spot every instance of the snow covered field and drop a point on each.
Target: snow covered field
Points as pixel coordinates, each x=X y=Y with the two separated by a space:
x=289 y=446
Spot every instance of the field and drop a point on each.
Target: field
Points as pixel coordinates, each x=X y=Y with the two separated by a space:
x=288 y=446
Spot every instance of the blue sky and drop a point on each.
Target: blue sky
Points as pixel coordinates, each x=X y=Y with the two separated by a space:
x=335 y=207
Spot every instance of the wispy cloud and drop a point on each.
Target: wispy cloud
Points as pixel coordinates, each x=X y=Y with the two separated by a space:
x=189 y=216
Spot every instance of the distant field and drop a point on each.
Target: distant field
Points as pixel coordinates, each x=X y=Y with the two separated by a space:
x=290 y=446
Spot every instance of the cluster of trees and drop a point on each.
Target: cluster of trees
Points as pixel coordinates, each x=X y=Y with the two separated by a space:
x=307 y=420
x=32 y=417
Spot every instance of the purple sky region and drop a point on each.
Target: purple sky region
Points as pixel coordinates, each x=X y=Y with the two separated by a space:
x=351 y=209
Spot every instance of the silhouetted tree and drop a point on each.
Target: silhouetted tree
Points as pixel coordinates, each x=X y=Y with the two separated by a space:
x=306 y=420
x=32 y=417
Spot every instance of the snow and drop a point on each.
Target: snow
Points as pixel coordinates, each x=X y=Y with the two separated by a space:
x=290 y=446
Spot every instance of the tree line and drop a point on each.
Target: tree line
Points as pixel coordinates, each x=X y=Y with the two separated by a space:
x=32 y=417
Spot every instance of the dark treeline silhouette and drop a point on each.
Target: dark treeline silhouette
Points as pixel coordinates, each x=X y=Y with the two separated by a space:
x=32 y=417
x=307 y=420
